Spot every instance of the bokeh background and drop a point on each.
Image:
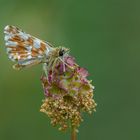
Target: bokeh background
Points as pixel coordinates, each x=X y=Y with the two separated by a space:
x=104 y=36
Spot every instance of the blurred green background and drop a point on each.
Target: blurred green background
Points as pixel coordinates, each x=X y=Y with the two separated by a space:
x=104 y=36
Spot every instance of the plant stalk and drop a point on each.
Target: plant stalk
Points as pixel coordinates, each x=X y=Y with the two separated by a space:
x=73 y=133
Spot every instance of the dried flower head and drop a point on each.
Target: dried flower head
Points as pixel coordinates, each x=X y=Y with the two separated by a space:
x=68 y=94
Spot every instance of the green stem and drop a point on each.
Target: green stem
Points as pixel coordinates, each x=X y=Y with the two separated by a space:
x=73 y=133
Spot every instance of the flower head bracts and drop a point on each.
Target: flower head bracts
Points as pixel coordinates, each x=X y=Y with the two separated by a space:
x=68 y=93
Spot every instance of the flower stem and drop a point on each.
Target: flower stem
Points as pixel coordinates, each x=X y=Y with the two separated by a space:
x=73 y=133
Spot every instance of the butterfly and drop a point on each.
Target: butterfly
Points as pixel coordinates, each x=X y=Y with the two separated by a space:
x=27 y=50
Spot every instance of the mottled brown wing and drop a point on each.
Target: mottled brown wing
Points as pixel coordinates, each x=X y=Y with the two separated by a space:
x=24 y=48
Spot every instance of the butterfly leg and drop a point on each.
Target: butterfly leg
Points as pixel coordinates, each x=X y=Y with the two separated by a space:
x=45 y=69
x=49 y=67
x=54 y=64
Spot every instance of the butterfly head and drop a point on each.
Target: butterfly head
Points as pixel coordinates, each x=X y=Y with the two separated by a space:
x=62 y=51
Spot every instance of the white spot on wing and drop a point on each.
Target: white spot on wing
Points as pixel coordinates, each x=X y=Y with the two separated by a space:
x=29 y=48
x=6 y=27
x=23 y=35
x=10 y=56
x=40 y=56
x=11 y=43
x=29 y=57
x=25 y=62
x=8 y=49
x=36 y=43
x=7 y=37
x=47 y=51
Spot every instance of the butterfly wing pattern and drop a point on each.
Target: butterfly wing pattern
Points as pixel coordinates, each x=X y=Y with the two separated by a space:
x=23 y=48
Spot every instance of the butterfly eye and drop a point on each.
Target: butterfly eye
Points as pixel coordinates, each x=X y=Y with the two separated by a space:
x=61 y=52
